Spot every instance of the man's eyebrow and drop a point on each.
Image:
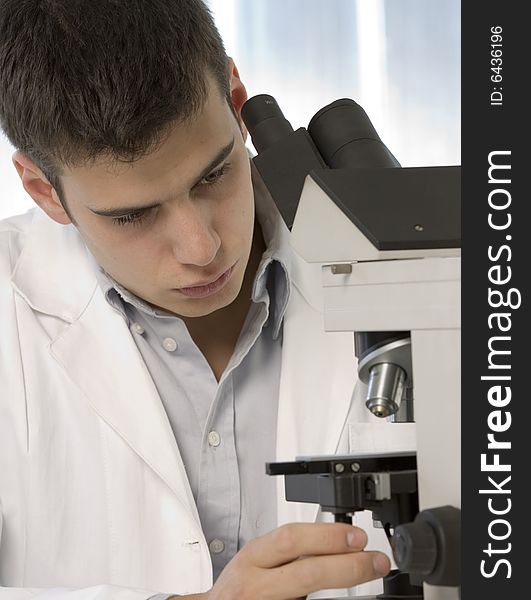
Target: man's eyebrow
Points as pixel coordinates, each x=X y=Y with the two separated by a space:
x=118 y=212
x=219 y=158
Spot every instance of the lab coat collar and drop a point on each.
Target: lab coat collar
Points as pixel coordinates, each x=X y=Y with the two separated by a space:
x=54 y=272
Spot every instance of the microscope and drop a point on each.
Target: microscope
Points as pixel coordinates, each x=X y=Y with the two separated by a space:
x=388 y=242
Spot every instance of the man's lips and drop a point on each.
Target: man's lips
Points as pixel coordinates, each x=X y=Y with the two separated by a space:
x=202 y=290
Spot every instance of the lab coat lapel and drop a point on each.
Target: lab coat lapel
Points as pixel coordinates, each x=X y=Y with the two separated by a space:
x=317 y=381
x=122 y=392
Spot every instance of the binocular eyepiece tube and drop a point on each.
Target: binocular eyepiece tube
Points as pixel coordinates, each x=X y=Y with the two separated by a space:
x=341 y=131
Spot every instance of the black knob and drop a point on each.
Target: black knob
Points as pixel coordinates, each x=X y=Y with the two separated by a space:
x=415 y=547
x=430 y=547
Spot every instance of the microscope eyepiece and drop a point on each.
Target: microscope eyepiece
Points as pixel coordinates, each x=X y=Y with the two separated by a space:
x=346 y=137
x=265 y=121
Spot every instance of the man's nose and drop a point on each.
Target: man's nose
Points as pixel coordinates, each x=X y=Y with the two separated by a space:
x=193 y=237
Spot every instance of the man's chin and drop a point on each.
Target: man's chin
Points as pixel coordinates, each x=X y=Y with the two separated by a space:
x=193 y=308
x=197 y=312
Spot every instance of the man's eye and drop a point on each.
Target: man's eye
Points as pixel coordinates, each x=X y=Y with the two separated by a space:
x=134 y=218
x=215 y=176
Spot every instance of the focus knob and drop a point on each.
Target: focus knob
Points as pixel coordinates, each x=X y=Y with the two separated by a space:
x=415 y=548
x=430 y=547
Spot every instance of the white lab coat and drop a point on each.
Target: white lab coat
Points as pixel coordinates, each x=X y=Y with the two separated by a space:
x=94 y=498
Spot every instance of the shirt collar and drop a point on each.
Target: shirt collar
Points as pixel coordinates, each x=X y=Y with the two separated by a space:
x=272 y=280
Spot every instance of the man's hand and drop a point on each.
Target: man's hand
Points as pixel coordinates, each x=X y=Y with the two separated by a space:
x=298 y=559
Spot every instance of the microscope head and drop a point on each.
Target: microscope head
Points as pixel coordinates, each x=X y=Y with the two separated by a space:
x=347 y=201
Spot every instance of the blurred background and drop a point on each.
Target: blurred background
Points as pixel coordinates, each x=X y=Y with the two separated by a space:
x=399 y=59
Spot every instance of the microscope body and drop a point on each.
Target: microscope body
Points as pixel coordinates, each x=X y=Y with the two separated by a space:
x=388 y=242
x=422 y=297
x=403 y=290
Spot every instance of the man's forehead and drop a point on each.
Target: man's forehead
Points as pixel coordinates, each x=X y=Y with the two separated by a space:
x=198 y=135
x=185 y=155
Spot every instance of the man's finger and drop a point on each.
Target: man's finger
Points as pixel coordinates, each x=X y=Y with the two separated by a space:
x=289 y=542
x=316 y=573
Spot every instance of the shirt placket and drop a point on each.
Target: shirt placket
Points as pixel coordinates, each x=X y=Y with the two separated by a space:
x=219 y=482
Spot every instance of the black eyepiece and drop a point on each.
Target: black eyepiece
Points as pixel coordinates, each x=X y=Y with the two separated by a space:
x=264 y=121
x=346 y=137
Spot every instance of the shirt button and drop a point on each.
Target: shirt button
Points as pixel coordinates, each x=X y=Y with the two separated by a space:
x=214 y=439
x=216 y=546
x=169 y=344
x=137 y=328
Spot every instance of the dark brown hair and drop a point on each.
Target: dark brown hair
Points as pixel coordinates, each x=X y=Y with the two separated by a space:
x=80 y=79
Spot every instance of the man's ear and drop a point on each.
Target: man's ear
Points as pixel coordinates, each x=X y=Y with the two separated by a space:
x=238 y=95
x=39 y=188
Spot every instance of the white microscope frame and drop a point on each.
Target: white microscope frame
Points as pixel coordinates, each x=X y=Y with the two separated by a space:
x=399 y=290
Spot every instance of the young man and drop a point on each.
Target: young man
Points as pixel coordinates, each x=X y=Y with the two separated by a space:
x=160 y=341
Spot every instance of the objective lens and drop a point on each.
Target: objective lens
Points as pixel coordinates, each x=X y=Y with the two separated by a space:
x=346 y=137
x=264 y=121
x=385 y=390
